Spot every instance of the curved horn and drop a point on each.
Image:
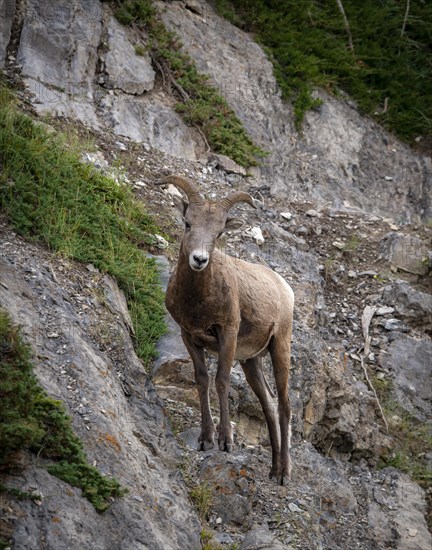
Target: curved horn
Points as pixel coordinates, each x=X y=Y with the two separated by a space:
x=233 y=198
x=185 y=185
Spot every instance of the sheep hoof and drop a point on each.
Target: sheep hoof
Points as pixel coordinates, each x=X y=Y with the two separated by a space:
x=225 y=446
x=283 y=479
x=280 y=478
x=205 y=445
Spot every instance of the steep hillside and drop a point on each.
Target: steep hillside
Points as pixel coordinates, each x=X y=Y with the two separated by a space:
x=343 y=213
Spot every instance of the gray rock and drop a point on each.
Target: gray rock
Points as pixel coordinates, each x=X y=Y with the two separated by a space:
x=233 y=483
x=190 y=437
x=395 y=324
x=384 y=310
x=225 y=163
x=404 y=252
x=261 y=537
x=412 y=531
x=55 y=102
x=7 y=12
x=150 y=122
x=411 y=304
x=125 y=70
x=59 y=43
x=409 y=362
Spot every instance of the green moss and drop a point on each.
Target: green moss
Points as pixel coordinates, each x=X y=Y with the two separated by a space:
x=200 y=104
x=29 y=419
x=50 y=196
x=387 y=72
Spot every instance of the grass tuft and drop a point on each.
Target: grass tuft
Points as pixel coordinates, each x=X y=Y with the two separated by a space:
x=201 y=496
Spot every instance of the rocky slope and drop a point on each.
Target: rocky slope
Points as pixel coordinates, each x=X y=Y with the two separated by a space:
x=324 y=203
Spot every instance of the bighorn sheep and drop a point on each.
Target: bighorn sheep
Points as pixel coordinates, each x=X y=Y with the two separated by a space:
x=236 y=310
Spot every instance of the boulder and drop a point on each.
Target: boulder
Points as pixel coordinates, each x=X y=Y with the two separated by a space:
x=260 y=536
x=233 y=485
x=409 y=361
x=411 y=304
x=405 y=253
x=222 y=162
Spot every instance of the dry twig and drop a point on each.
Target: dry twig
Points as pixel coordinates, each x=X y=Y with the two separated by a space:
x=368 y=313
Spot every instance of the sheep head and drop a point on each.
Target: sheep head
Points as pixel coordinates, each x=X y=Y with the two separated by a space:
x=205 y=221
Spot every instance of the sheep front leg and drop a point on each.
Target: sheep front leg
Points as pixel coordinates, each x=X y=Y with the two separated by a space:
x=227 y=347
x=206 y=438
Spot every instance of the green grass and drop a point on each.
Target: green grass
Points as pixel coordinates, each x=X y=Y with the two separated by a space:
x=200 y=104
x=31 y=420
x=201 y=496
x=308 y=44
x=50 y=196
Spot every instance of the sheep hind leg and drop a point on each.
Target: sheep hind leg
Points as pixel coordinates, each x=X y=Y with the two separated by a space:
x=280 y=352
x=206 y=437
x=257 y=381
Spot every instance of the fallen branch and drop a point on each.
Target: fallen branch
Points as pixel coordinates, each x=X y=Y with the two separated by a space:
x=204 y=138
x=368 y=313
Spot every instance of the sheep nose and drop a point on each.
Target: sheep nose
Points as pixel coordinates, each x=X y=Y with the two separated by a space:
x=200 y=260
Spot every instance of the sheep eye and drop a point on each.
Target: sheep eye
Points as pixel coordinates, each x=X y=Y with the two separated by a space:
x=187 y=225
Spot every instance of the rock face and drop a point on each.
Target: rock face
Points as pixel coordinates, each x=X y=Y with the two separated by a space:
x=409 y=361
x=114 y=407
x=414 y=306
x=342 y=158
x=405 y=253
x=125 y=70
x=79 y=62
x=83 y=66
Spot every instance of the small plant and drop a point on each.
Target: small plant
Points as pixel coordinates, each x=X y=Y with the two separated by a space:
x=352 y=245
x=201 y=496
x=207 y=542
x=140 y=49
x=226 y=9
x=17 y=493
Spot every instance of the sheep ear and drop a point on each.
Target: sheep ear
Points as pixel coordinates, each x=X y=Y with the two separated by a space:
x=233 y=223
x=181 y=204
